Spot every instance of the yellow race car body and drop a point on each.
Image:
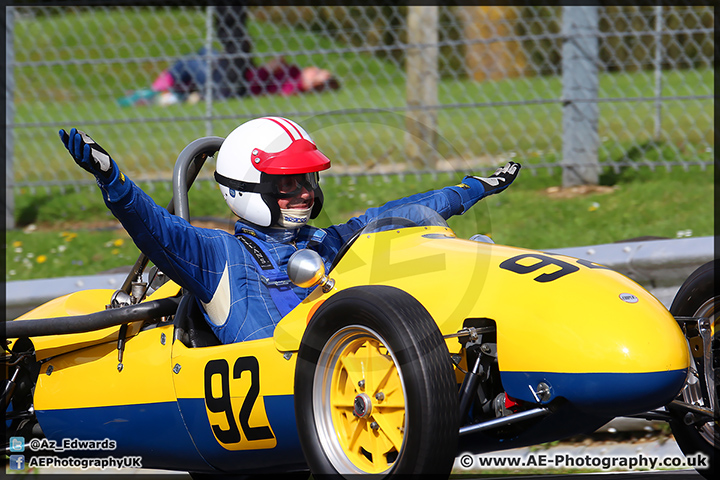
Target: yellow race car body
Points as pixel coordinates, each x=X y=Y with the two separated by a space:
x=570 y=334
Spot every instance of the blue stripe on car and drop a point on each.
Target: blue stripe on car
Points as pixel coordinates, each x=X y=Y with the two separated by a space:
x=600 y=393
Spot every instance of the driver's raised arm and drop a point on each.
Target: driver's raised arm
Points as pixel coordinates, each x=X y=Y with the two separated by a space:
x=193 y=257
x=448 y=201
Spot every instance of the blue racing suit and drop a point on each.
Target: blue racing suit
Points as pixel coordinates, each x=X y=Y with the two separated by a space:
x=218 y=268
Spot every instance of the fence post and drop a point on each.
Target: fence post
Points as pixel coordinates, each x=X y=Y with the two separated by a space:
x=421 y=88
x=9 y=118
x=486 y=58
x=209 y=69
x=580 y=92
x=658 y=72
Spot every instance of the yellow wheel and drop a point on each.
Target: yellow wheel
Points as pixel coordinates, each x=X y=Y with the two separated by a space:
x=374 y=388
x=361 y=394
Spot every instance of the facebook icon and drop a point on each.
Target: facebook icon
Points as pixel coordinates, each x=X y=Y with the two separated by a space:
x=17 y=462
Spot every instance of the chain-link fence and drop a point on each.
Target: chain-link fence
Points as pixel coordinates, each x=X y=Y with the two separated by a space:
x=421 y=89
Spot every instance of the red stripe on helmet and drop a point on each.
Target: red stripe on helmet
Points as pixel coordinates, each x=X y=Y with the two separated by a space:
x=292 y=139
x=292 y=124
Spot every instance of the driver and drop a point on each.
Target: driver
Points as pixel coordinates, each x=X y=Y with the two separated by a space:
x=267 y=169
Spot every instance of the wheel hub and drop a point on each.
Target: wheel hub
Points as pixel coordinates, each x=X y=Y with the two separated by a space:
x=362 y=406
x=362 y=400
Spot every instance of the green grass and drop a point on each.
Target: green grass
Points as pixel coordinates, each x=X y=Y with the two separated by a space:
x=85 y=96
x=644 y=203
x=360 y=139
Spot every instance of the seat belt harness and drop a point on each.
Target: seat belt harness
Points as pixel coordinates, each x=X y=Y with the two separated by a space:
x=277 y=281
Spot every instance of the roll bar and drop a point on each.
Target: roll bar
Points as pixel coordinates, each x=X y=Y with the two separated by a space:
x=187 y=167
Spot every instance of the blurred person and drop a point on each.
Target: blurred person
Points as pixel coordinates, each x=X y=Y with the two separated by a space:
x=268 y=173
x=228 y=71
x=233 y=73
x=185 y=80
x=188 y=75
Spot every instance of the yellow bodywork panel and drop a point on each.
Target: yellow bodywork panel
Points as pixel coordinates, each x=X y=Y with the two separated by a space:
x=553 y=313
x=71 y=381
x=234 y=379
x=168 y=289
x=78 y=303
x=82 y=303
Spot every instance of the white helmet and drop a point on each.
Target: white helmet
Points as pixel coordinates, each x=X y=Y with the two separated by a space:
x=252 y=159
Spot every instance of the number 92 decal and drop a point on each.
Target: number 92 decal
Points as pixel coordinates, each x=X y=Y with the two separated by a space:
x=231 y=404
x=561 y=269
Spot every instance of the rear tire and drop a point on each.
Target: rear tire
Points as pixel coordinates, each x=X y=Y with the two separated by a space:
x=374 y=388
x=698 y=298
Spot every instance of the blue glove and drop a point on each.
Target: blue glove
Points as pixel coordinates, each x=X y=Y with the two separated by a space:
x=89 y=155
x=501 y=179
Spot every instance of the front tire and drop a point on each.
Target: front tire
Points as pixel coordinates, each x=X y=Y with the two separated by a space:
x=374 y=388
x=698 y=298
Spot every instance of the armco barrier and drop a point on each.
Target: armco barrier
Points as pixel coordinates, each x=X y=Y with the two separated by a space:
x=659 y=265
x=652 y=263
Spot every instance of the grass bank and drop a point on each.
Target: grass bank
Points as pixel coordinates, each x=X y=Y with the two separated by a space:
x=72 y=233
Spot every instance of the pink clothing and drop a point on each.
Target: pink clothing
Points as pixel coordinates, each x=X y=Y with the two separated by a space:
x=163 y=82
x=274 y=78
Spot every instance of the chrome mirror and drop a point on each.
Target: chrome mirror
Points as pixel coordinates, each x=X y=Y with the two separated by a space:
x=306 y=269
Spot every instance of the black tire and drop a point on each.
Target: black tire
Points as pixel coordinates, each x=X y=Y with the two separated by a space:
x=403 y=341
x=698 y=297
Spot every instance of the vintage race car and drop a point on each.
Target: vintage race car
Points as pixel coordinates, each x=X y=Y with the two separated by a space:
x=416 y=346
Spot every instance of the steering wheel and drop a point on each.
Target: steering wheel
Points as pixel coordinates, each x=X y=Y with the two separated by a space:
x=378 y=222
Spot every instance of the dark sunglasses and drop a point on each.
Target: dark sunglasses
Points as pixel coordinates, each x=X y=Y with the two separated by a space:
x=280 y=186
x=287 y=186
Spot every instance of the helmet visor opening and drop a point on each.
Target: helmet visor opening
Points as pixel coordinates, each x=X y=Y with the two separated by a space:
x=288 y=186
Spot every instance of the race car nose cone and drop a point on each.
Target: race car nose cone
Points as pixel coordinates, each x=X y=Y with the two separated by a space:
x=362 y=406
